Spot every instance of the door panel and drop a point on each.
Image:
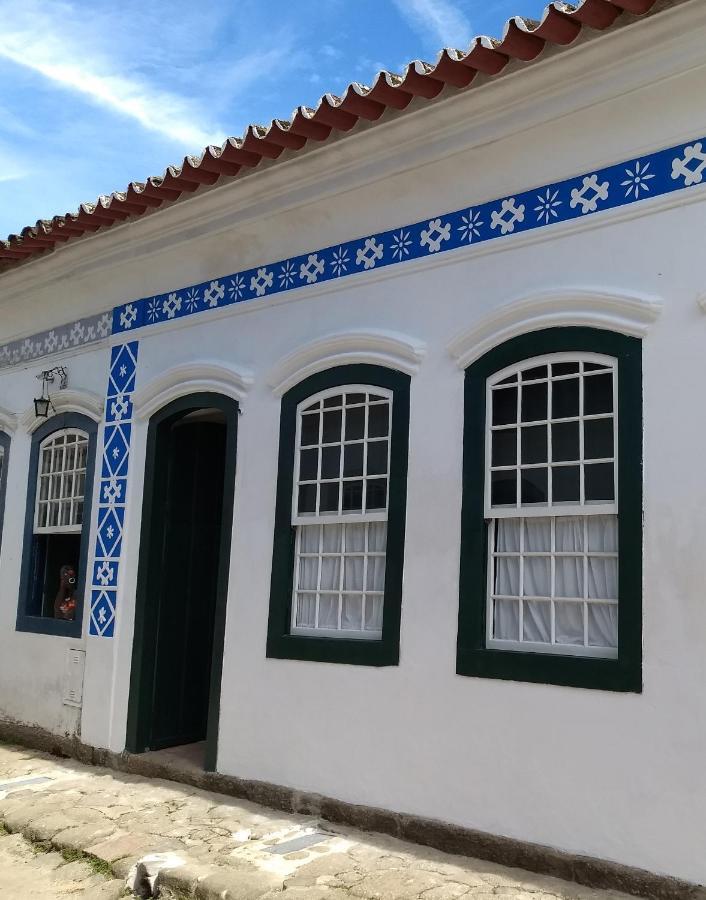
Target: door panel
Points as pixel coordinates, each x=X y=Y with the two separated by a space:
x=194 y=456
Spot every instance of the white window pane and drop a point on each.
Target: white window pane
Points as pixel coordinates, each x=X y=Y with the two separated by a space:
x=537 y=621
x=569 y=534
x=508 y=535
x=309 y=538
x=376 y=573
x=603 y=533
x=71 y=457
x=78 y=512
x=537 y=576
x=44 y=488
x=330 y=573
x=42 y=515
x=377 y=536
x=373 y=613
x=65 y=513
x=306 y=610
x=328 y=611
x=568 y=623
x=538 y=535
x=568 y=576
x=603 y=577
x=53 y=515
x=506 y=621
x=308 y=573
x=352 y=612
x=353 y=573
x=507 y=575
x=355 y=538
x=602 y=625
x=332 y=538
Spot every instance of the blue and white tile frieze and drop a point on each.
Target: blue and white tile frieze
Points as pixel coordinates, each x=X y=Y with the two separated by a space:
x=56 y=340
x=651 y=175
x=112 y=489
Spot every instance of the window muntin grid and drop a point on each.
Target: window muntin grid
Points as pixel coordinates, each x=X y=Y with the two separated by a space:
x=553 y=585
x=343 y=456
x=339 y=509
x=339 y=580
x=61 y=482
x=552 y=436
x=551 y=468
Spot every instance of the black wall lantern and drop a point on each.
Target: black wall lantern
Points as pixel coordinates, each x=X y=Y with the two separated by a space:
x=43 y=403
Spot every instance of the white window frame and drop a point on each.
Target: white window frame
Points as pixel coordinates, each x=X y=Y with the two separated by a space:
x=341 y=517
x=547 y=510
x=49 y=439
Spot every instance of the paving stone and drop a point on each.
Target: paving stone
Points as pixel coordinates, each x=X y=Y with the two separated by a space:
x=449 y=891
x=119 y=845
x=245 y=884
x=44 y=828
x=81 y=836
x=111 y=890
x=395 y=884
x=309 y=874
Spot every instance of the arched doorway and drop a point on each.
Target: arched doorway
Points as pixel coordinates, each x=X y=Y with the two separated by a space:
x=183 y=575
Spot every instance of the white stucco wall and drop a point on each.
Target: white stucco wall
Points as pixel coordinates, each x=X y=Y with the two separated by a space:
x=611 y=775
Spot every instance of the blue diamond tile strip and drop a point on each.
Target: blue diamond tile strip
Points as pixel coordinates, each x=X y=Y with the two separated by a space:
x=653 y=175
x=112 y=489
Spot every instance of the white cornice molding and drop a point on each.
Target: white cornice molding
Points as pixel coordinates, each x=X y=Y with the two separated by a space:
x=626 y=313
x=191 y=378
x=68 y=400
x=596 y=68
x=380 y=348
x=8 y=420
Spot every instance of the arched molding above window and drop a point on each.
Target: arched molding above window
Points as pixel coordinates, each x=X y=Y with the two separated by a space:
x=624 y=313
x=69 y=400
x=380 y=348
x=8 y=421
x=191 y=378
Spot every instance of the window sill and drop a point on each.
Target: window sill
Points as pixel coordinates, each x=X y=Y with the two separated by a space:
x=351 y=652
x=570 y=671
x=45 y=625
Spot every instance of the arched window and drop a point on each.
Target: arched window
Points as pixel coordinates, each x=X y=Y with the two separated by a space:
x=56 y=529
x=61 y=482
x=553 y=442
x=339 y=535
x=551 y=503
x=339 y=512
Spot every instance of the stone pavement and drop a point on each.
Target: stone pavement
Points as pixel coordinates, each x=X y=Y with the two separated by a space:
x=27 y=873
x=175 y=841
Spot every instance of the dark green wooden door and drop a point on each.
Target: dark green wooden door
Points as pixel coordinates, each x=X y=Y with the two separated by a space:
x=190 y=525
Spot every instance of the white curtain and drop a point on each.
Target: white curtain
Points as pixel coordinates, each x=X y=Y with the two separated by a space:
x=581 y=536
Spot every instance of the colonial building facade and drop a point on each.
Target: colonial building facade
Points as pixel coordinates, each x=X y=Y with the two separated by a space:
x=377 y=467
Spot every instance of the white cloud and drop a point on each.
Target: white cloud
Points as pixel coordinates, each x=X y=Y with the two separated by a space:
x=439 y=17
x=48 y=39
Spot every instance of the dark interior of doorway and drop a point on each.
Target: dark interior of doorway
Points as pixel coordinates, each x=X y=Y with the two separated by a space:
x=180 y=611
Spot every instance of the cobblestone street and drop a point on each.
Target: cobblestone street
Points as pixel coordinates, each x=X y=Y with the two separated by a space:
x=29 y=873
x=179 y=841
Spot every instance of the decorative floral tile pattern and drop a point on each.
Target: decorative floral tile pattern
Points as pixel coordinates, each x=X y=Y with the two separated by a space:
x=620 y=185
x=64 y=337
x=113 y=484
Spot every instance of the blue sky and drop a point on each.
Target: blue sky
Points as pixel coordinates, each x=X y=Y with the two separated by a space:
x=97 y=93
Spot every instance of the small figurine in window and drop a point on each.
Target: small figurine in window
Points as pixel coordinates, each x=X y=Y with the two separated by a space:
x=65 y=603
